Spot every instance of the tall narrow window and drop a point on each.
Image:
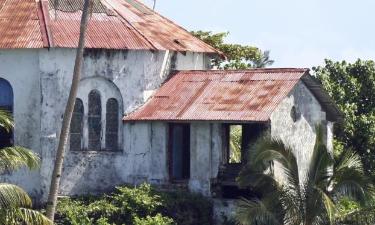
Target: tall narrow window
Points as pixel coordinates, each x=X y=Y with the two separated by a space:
x=76 y=127
x=94 y=121
x=111 y=129
x=179 y=138
x=6 y=103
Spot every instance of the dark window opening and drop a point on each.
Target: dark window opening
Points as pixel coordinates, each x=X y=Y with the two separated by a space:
x=6 y=104
x=179 y=150
x=238 y=140
x=94 y=121
x=76 y=127
x=112 y=125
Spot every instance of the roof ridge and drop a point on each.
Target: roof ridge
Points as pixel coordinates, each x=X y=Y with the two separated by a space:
x=129 y=23
x=180 y=27
x=258 y=70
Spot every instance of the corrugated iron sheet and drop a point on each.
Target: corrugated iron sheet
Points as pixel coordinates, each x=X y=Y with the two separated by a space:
x=249 y=95
x=19 y=24
x=114 y=24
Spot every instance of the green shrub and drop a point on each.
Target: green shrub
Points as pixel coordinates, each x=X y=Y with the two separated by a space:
x=155 y=220
x=140 y=205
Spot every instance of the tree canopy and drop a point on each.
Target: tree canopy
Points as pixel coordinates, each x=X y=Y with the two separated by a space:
x=238 y=56
x=352 y=86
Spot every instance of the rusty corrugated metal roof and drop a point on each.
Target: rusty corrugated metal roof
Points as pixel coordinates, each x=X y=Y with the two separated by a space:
x=19 y=24
x=249 y=95
x=114 y=24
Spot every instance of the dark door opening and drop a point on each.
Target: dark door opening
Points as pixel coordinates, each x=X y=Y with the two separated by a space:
x=179 y=151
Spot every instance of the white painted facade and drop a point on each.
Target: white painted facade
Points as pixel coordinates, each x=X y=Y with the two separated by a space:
x=41 y=79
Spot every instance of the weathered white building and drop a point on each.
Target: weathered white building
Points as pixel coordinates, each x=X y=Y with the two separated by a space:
x=148 y=109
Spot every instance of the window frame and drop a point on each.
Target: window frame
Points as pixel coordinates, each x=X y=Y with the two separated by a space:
x=107 y=90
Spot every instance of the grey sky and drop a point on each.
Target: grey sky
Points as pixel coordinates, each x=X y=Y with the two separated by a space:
x=299 y=33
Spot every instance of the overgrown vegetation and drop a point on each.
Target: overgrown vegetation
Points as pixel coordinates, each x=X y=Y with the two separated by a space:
x=142 y=205
x=310 y=199
x=238 y=56
x=352 y=87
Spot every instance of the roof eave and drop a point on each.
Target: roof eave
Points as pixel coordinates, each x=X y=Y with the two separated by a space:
x=334 y=114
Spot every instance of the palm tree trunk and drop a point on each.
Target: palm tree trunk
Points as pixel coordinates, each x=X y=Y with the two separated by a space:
x=56 y=175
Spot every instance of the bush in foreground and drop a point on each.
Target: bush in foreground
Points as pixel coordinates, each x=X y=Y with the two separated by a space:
x=138 y=206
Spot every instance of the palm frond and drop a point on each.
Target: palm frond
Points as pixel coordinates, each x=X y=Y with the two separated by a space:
x=329 y=205
x=257 y=212
x=12 y=216
x=12 y=196
x=349 y=178
x=348 y=160
x=271 y=149
x=318 y=205
x=6 y=121
x=12 y=158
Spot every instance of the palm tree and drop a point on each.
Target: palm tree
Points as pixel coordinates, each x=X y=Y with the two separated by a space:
x=295 y=200
x=15 y=204
x=56 y=174
x=263 y=61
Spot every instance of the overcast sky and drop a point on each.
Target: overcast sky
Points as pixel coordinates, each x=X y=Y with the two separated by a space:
x=299 y=33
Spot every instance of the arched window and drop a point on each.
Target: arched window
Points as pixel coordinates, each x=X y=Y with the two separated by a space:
x=76 y=127
x=94 y=121
x=111 y=129
x=6 y=103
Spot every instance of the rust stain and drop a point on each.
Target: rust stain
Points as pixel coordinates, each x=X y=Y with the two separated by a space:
x=249 y=95
x=114 y=24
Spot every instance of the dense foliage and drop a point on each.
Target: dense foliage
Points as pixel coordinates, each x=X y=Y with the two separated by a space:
x=15 y=204
x=300 y=198
x=351 y=213
x=352 y=87
x=238 y=56
x=141 y=205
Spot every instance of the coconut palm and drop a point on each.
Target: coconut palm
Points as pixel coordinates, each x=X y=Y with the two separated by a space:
x=63 y=140
x=263 y=61
x=15 y=204
x=295 y=199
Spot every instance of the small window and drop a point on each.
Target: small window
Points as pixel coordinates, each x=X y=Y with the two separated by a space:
x=6 y=104
x=179 y=140
x=94 y=121
x=112 y=125
x=76 y=127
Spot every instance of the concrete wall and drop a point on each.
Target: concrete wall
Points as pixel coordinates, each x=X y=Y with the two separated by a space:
x=41 y=79
x=20 y=68
x=300 y=134
x=132 y=76
x=205 y=156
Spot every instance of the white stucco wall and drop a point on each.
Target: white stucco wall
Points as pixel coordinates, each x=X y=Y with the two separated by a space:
x=20 y=68
x=300 y=135
x=136 y=75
